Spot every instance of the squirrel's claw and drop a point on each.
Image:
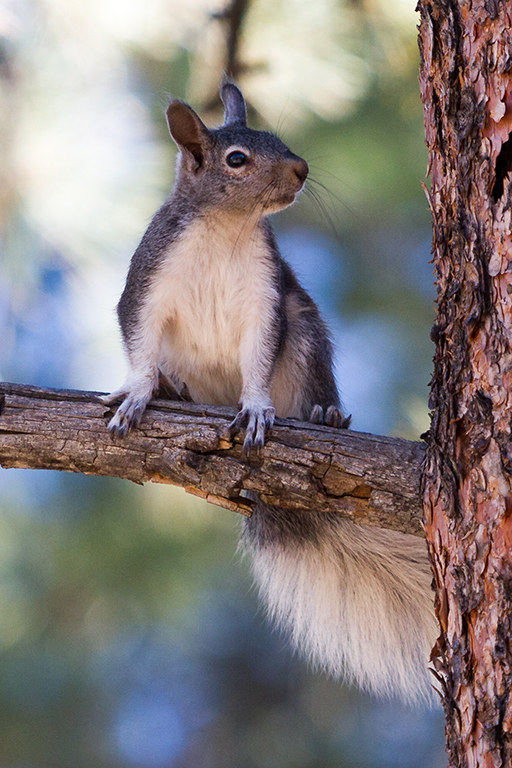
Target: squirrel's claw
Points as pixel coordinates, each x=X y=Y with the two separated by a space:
x=256 y=422
x=333 y=417
x=119 y=394
x=317 y=415
x=131 y=410
x=127 y=416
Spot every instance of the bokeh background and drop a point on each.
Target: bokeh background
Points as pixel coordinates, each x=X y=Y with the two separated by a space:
x=130 y=634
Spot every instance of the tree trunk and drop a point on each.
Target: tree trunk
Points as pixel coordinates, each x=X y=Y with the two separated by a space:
x=466 y=87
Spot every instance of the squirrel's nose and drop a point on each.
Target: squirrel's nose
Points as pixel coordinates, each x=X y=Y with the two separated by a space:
x=301 y=169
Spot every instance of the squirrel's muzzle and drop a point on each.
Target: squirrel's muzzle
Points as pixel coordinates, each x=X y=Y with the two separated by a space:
x=301 y=169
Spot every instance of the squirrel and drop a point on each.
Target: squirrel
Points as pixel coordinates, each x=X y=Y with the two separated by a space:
x=211 y=308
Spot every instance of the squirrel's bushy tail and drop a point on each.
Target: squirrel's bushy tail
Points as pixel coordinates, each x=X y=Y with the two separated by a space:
x=357 y=601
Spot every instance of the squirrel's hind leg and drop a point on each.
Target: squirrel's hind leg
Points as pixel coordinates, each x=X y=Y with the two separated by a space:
x=333 y=417
x=169 y=390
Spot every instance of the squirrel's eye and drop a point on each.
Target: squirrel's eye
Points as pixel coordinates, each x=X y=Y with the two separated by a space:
x=236 y=159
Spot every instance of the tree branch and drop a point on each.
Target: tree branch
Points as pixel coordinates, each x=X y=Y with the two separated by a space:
x=233 y=15
x=369 y=479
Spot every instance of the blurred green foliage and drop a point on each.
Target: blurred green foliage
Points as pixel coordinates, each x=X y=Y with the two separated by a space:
x=129 y=631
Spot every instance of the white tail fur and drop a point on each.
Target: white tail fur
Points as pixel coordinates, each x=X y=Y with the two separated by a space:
x=357 y=602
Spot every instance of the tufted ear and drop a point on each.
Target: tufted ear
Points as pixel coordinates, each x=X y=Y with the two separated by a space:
x=233 y=100
x=187 y=129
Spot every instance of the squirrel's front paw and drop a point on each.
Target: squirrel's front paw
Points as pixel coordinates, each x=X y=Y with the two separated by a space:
x=333 y=417
x=135 y=397
x=256 y=420
x=128 y=415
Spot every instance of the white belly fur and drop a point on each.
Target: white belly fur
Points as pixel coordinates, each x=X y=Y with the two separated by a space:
x=202 y=291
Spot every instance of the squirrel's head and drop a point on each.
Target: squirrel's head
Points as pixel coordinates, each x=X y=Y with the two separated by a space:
x=234 y=168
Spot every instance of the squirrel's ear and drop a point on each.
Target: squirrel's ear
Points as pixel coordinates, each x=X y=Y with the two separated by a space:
x=187 y=129
x=234 y=103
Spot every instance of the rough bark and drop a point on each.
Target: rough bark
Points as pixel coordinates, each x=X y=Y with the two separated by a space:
x=371 y=480
x=466 y=87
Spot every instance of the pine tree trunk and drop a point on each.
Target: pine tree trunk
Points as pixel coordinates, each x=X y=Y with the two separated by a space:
x=466 y=87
